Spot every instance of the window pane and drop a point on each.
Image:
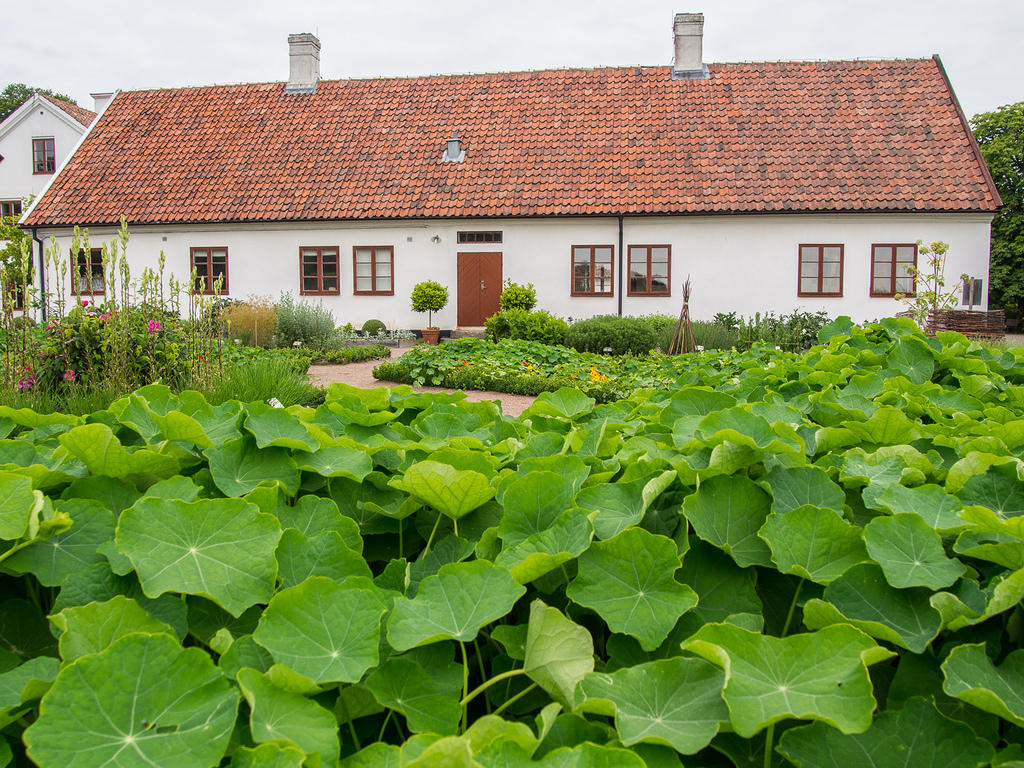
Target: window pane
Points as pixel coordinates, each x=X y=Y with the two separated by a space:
x=809 y=285
x=830 y=285
x=659 y=254
x=603 y=255
x=309 y=254
x=581 y=271
x=905 y=253
x=581 y=285
x=383 y=283
x=364 y=284
x=309 y=283
x=581 y=254
x=637 y=284
x=603 y=281
x=883 y=252
x=330 y=283
x=809 y=269
x=883 y=269
x=881 y=285
x=384 y=270
x=830 y=269
x=659 y=269
x=364 y=270
x=97 y=285
x=659 y=285
x=383 y=256
x=832 y=253
x=309 y=270
x=330 y=270
x=329 y=254
x=904 y=285
x=363 y=255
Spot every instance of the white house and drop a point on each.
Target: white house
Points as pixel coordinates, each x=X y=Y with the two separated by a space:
x=772 y=185
x=35 y=140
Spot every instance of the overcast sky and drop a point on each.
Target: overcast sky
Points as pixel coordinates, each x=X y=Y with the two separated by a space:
x=76 y=47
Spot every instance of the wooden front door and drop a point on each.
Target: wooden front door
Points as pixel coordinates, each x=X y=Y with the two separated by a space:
x=479 y=287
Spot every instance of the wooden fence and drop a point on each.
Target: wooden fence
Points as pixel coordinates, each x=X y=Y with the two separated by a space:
x=974 y=324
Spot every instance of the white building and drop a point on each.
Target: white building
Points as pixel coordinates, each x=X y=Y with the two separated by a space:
x=773 y=186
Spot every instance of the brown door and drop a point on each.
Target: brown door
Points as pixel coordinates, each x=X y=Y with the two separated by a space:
x=479 y=287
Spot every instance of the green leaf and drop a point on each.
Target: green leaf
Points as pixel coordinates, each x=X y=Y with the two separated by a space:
x=861 y=597
x=271 y=755
x=324 y=554
x=532 y=503
x=676 y=702
x=96 y=446
x=929 y=502
x=723 y=587
x=336 y=461
x=245 y=652
x=886 y=426
x=222 y=549
x=565 y=403
x=999 y=489
x=794 y=487
x=913 y=358
x=453 y=492
x=559 y=653
x=275 y=714
x=910 y=553
x=813 y=542
x=17 y=503
x=728 y=511
x=54 y=559
x=24 y=631
x=563 y=540
x=917 y=735
x=620 y=505
x=238 y=467
x=429 y=702
x=629 y=580
x=94 y=627
x=277 y=428
x=453 y=604
x=314 y=514
x=971 y=676
x=589 y=755
x=818 y=676
x=327 y=631
x=142 y=701
x=27 y=681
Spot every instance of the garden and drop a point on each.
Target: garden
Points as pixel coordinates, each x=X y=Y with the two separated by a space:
x=799 y=546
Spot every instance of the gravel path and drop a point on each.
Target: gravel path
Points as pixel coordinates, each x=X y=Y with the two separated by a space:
x=361 y=375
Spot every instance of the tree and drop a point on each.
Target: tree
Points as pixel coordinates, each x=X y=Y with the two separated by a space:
x=1000 y=135
x=16 y=94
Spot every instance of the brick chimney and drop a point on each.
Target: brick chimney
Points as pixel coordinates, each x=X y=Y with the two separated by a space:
x=688 y=31
x=303 y=63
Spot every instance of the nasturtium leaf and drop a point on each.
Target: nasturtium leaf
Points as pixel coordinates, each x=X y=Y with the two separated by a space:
x=276 y=427
x=629 y=580
x=695 y=401
x=24 y=630
x=977 y=463
x=453 y=604
x=17 y=502
x=565 y=403
x=269 y=755
x=723 y=588
x=94 y=627
x=917 y=736
x=728 y=511
x=116 y=495
x=54 y=559
x=570 y=729
x=327 y=631
x=999 y=489
x=913 y=358
x=222 y=549
x=620 y=505
x=96 y=446
x=531 y=504
x=27 y=681
x=450 y=752
x=245 y=652
x=429 y=702
x=794 y=487
x=314 y=514
x=558 y=654
x=861 y=597
x=929 y=502
x=856 y=471
x=177 y=487
x=323 y=554
x=910 y=552
x=142 y=701
x=589 y=755
x=275 y=714
x=886 y=426
x=971 y=676
x=813 y=542
x=377 y=755
x=819 y=676
x=450 y=549
x=563 y=540
x=336 y=461
x=491 y=728
x=238 y=467
x=676 y=702
x=453 y=492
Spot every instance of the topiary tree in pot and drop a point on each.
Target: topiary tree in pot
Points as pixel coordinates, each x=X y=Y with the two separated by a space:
x=429 y=296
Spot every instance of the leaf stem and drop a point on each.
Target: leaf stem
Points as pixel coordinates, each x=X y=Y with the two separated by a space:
x=426 y=549
x=769 y=737
x=488 y=683
x=483 y=672
x=515 y=698
x=792 y=607
x=465 y=684
x=384 y=725
x=351 y=725
x=16 y=548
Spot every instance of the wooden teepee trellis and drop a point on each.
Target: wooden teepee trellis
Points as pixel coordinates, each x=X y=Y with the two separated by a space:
x=682 y=339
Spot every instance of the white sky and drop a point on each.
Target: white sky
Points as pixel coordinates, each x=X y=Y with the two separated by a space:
x=79 y=47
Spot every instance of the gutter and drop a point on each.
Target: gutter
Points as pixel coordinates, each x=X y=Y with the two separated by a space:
x=620 y=265
x=42 y=273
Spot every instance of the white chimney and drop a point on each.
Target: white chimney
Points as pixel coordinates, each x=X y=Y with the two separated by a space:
x=303 y=63
x=453 y=153
x=688 y=30
x=100 y=101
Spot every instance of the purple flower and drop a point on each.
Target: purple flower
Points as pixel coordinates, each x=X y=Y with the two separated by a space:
x=154 y=326
x=27 y=382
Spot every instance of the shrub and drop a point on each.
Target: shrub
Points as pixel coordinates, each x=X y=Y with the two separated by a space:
x=663 y=327
x=298 y=321
x=254 y=321
x=714 y=335
x=531 y=326
x=429 y=296
x=516 y=296
x=622 y=335
x=373 y=327
x=267 y=377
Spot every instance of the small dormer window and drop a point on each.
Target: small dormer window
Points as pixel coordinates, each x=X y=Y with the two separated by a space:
x=454 y=153
x=44 y=157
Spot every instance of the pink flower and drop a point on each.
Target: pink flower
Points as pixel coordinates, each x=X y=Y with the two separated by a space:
x=154 y=326
x=27 y=382
x=69 y=375
x=85 y=302
x=105 y=316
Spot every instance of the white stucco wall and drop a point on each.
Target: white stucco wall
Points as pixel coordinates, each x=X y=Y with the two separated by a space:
x=742 y=264
x=16 y=177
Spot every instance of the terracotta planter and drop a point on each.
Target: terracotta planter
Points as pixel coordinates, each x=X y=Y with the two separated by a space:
x=431 y=335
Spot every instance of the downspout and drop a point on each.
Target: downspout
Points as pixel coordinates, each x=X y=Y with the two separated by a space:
x=42 y=273
x=621 y=259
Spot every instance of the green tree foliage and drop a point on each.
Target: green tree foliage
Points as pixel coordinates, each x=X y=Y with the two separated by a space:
x=429 y=296
x=1001 y=137
x=16 y=94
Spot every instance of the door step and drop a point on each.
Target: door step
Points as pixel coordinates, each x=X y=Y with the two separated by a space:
x=468 y=332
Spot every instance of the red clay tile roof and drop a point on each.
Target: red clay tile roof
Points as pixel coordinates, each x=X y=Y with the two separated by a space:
x=83 y=116
x=762 y=137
